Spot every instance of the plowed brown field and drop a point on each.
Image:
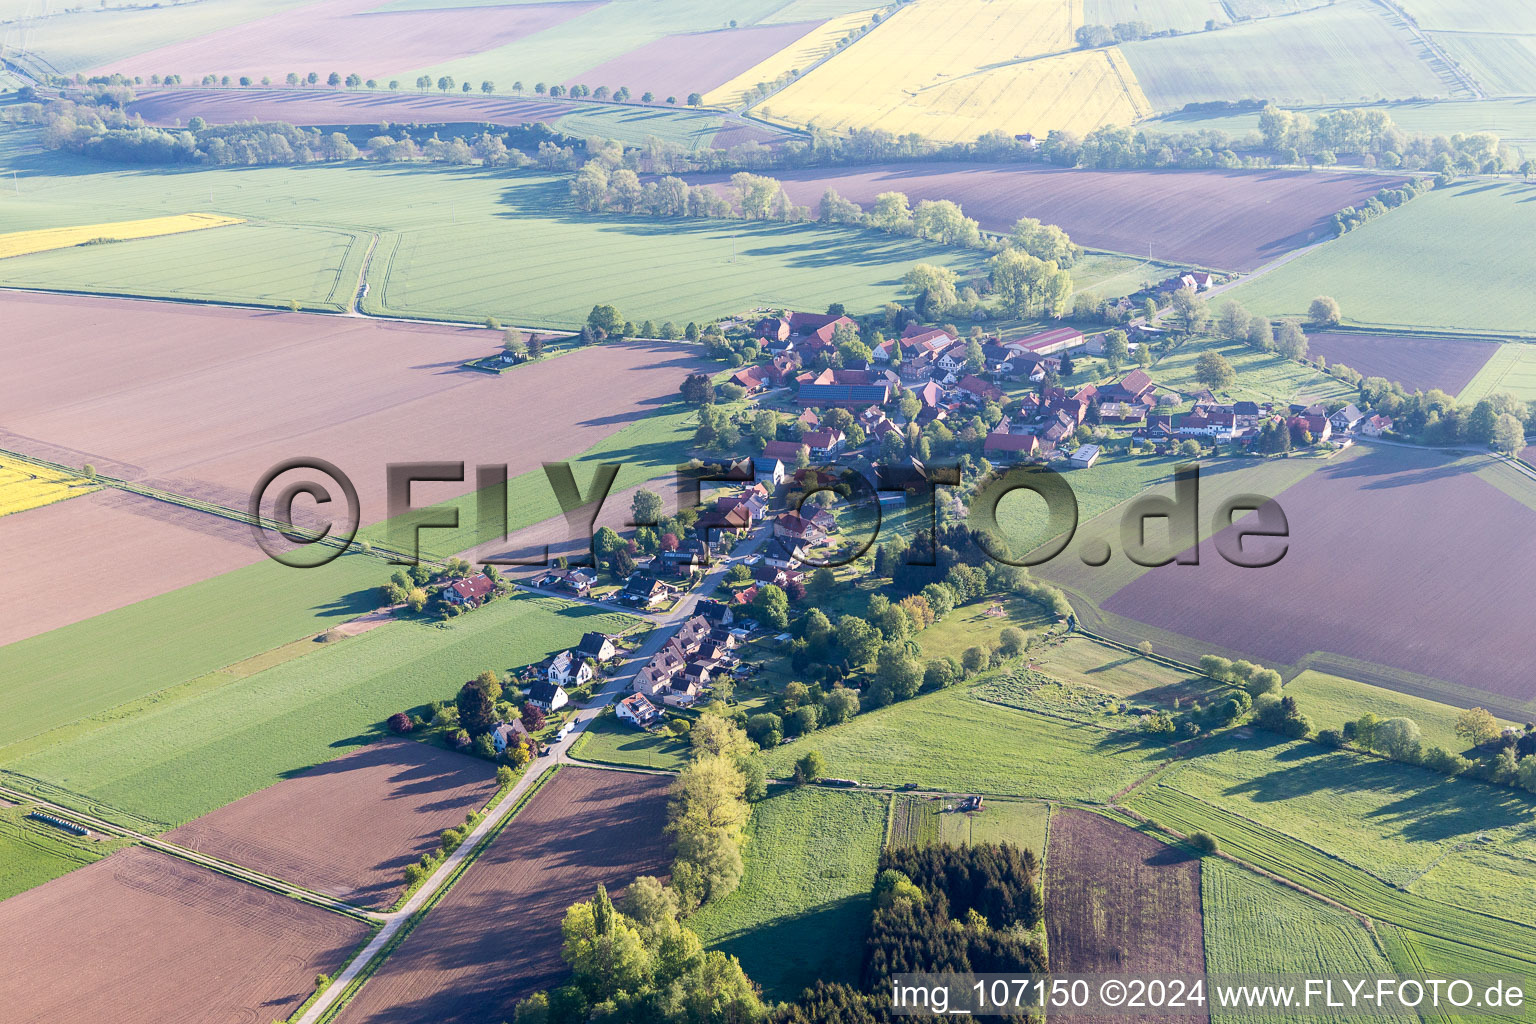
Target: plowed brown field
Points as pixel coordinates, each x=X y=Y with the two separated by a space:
x=144 y=938
x=495 y=937
x=348 y=827
x=1120 y=902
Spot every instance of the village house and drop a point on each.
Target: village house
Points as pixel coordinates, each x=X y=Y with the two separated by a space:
x=1134 y=388
x=567 y=669
x=470 y=592
x=793 y=526
x=824 y=444
x=1003 y=446
x=978 y=391
x=638 y=710
x=647 y=592
x=845 y=389
x=573 y=581
x=783 y=553
x=1346 y=419
x=548 y=696
x=766 y=467
x=509 y=734
x=1376 y=425
x=597 y=646
x=1314 y=423
x=715 y=613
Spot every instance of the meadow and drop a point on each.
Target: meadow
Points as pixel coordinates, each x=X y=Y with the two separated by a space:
x=1342 y=53
x=1254 y=926
x=32 y=853
x=192 y=751
x=1261 y=376
x=459 y=244
x=929 y=821
x=1511 y=370
x=1425 y=265
x=950 y=740
x=1330 y=701
x=1513 y=120
x=803 y=905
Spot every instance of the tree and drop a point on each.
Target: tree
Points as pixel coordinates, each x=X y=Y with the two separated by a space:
x=1117 y=351
x=1010 y=642
x=1477 y=726
x=646 y=506
x=1234 y=322
x=445 y=83
x=1398 y=738
x=606 y=318
x=1324 y=311
x=333 y=80
x=1214 y=371
x=765 y=729
x=1029 y=286
x=695 y=100
x=697 y=389
x=771 y=606
x=477 y=714
x=934 y=287
x=858 y=639
x=899 y=670
x=1189 y=310
x=975 y=659
x=1508 y=435
x=810 y=768
x=716 y=735
x=841 y=705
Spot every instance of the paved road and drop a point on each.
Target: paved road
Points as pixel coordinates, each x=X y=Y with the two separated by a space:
x=618 y=684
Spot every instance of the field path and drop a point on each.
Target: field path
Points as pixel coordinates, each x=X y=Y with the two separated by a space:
x=440 y=879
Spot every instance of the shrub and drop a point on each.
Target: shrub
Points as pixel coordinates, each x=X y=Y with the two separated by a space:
x=400 y=723
x=810 y=767
x=1204 y=843
x=1330 y=738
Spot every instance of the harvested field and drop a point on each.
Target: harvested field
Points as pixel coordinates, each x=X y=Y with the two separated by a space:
x=150 y=546
x=275 y=385
x=348 y=827
x=1417 y=363
x=142 y=937
x=1246 y=218
x=1118 y=901
x=1352 y=595
x=495 y=937
x=346 y=34
x=677 y=65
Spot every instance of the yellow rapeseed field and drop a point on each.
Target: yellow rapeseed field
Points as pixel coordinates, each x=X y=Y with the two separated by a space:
x=954 y=69
x=24 y=486
x=20 y=243
x=799 y=55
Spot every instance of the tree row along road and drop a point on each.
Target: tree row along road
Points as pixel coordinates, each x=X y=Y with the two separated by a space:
x=441 y=878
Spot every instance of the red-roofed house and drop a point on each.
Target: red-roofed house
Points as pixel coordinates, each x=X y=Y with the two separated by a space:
x=787 y=452
x=1010 y=444
x=980 y=390
x=823 y=443
x=470 y=592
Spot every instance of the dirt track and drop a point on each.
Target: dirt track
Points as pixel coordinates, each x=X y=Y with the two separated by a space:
x=144 y=938
x=496 y=936
x=348 y=828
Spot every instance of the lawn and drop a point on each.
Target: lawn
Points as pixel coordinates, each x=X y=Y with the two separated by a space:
x=455 y=243
x=1256 y=927
x=1344 y=52
x=610 y=741
x=1330 y=701
x=174 y=759
x=1434 y=263
x=1512 y=369
x=1391 y=820
x=954 y=742
x=971 y=624
x=803 y=906
x=32 y=853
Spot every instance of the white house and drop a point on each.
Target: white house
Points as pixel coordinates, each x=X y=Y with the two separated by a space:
x=565 y=669
x=549 y=696
x=507 y=734
x=638 y=710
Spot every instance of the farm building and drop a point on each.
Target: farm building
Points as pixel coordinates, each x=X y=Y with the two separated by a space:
x=1048 y=343
x=1085 y=456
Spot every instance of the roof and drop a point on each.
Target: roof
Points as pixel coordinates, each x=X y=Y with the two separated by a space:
x=592 y=643
x=1085 y=452
x=980 y=388
x=828 y=394
x=1048 y=339
x=1010 y=443
x=1135 y=382
x=821 y=438
x=475 y=587
x=543 y=691
x=640 y=704
x=784 y=451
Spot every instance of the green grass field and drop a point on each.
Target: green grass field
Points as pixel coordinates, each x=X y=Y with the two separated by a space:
x=1512 y=369
x=1392 y=820
x=455 y=243
x=255 y=264
x=928 y=821
x=971 y=624
x=1503 y=64
x=1432 y=263
x=1180 y=15
x=1434 y=936
x=952 y=741
x=611 y=741
x=185 y=755
x=1331 y=701
x=1261 y=377
x=1081 y=661
x=1256 y=927
x=803 y=905
x=1343 y=53
x=693 y=129
x=1482 y=16
x=32 y=853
